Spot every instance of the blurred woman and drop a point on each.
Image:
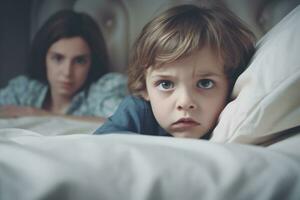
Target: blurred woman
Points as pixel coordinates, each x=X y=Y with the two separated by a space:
x=68 y=73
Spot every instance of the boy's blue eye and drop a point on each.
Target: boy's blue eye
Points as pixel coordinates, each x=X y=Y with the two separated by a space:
x=205 y=84
x=165 y=85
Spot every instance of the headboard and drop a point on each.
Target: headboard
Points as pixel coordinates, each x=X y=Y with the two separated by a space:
x=122 y=20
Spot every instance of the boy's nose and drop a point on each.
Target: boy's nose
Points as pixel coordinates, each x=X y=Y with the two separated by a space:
x=186 y=102
x=186 y=106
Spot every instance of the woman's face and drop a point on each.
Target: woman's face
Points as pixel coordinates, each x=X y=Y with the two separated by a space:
x=68 y=62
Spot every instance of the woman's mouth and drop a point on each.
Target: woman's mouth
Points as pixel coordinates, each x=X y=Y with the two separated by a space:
x=66 y=85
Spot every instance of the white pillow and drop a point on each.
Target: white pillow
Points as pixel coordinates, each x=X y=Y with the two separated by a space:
x=267 y=94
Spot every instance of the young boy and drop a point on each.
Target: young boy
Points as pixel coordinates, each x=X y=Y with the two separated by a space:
x=182 y=71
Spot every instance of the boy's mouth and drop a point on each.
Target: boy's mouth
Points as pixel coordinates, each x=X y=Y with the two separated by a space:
x=184 y=123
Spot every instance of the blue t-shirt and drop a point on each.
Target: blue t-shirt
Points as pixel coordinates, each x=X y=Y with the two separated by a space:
x=133 y=115
x=101 y=99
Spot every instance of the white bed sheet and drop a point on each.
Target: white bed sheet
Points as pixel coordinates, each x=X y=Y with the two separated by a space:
x=49 y=125
x=116 y=166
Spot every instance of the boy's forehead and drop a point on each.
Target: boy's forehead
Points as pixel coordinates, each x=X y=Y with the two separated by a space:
x=178 y=71
x=203 y=60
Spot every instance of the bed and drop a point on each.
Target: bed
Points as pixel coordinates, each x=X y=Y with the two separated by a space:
x=253 y=153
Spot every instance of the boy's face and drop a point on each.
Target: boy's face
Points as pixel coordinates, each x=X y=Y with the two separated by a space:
x=188 y=95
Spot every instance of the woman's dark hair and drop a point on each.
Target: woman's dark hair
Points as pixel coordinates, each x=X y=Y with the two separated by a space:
x=67 y=24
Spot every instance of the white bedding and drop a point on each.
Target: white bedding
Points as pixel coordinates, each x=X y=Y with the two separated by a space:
x=139 y=167
x=50 y=125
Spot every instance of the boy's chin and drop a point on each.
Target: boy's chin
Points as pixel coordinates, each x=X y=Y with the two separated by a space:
x=187 y=134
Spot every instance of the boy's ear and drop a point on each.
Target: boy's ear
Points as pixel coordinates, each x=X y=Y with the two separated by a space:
x=145 y=95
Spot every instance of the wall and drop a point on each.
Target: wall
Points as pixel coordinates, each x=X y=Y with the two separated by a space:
x=14 y=38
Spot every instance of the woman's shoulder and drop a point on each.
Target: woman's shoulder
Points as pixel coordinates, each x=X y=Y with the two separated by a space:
x=110 y=81
x=24 y=82
x=22 y=90
x=21 y=79
x=104 y=95
x=113 y=75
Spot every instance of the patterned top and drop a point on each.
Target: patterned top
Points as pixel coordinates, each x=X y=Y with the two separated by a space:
x=101 y=99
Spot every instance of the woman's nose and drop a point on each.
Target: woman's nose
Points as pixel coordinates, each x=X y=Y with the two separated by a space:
x=67 y=68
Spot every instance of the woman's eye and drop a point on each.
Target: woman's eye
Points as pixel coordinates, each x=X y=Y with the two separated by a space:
x=165 y=85
x=205 y=84
x=57 y=58
x=81 y=60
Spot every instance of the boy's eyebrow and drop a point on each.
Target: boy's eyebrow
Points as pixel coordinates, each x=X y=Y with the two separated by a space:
x=198 y=75
x=160 y=76
x=208 y=74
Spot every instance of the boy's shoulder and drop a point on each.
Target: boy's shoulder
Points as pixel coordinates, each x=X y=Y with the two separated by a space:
x=135 y=107
x=135 y=101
